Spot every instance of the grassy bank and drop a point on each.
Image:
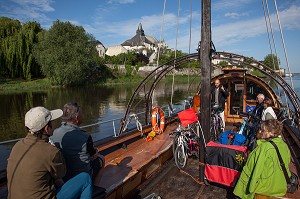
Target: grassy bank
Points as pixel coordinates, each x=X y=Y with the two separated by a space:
x=8 y=85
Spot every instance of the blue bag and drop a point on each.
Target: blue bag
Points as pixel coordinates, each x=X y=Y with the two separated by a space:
x=239 y=139
x=226 y=137
x=232 y=138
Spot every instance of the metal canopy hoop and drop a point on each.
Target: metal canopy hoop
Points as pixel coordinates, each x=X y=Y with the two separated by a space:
x=231 y=58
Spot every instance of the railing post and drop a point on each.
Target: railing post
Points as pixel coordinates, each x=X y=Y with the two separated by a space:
x=114 y=127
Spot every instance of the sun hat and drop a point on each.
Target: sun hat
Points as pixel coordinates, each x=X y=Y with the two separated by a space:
x=38 y=117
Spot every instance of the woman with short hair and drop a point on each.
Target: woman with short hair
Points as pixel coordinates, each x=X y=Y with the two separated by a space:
x=268 y=112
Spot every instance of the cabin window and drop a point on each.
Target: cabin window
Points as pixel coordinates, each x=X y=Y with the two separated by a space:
x=236 y=97
x=252 y=91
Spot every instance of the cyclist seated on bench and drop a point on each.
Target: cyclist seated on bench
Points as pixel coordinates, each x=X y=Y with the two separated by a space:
x=257 y=111
x=268 y=112
x=262 y=173
x=218 y=97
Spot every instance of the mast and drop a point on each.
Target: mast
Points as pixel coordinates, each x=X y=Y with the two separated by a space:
x=205 y=57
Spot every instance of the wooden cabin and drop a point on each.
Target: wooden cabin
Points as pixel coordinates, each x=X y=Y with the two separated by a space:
x=243 y=89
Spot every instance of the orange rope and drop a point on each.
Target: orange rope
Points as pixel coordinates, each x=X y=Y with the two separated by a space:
x=196 y=180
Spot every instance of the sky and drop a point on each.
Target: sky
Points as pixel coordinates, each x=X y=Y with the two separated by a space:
x=238 y=26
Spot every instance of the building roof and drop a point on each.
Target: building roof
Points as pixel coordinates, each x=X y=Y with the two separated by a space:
x=139 y=39
x=99 y=43
x=115 y=50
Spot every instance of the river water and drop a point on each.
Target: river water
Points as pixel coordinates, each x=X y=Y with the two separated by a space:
x=98 y=103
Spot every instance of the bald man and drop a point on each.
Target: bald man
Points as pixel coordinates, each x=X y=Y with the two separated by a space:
x=218 y=96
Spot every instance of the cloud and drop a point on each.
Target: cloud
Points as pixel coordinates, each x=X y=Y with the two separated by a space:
x=225 y=35
x=235 y=15
x=230 y=33
x=42 y=5
x=126 y=29
x=27 y=10
x=230 y=4
x=120 y=1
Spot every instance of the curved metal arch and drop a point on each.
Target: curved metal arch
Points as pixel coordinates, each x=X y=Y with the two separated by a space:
x=234 y=59
x=156 y=75
x=239 y=60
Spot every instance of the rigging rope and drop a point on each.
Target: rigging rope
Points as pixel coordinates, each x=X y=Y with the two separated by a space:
x=138 y=124
x=161 y=32
x=178 y=15
x=160 y=43
x=272 y=33
x=269 y=19
x=265 y=6
x=283 y=43
x=190 y=39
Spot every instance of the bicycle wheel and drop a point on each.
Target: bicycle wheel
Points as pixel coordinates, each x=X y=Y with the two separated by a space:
x=180 y=157
x=175 y=143
x=218 y=127
x=213 y=130
x=215 y=133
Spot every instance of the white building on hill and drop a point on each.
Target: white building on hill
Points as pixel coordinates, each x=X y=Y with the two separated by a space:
x=140 y=43
x=100 y=49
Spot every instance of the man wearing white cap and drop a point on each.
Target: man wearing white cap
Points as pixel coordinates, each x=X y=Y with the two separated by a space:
x=35 y=168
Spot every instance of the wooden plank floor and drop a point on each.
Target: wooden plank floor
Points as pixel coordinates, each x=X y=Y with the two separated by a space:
x=125 y=163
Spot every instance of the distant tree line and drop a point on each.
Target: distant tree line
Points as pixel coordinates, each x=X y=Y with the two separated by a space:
x=270 y=60
x=66 y=54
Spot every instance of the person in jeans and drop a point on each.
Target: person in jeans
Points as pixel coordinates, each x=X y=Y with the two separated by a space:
x=76 y=145
x=35 y=167
x=218 y=97
x=262 y=173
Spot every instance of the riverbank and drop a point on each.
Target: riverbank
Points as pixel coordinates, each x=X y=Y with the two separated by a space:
x=15 y=86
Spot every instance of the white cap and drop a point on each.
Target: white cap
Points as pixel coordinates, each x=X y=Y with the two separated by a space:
x=38 y=117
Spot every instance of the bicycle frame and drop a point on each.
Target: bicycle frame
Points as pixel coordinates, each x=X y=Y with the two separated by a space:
x=217 y=125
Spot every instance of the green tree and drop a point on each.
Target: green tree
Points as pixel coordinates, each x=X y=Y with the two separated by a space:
x=9 y=27
x=272 y=61
x=128 y=69
x=223 y=64
x=16 y=46
x=27 y=38
x=66 y=54
x=169 y=55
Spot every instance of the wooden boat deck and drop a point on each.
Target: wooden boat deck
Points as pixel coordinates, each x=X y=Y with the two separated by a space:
x=126 y=168
x=144 y=168
x=147 y=168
